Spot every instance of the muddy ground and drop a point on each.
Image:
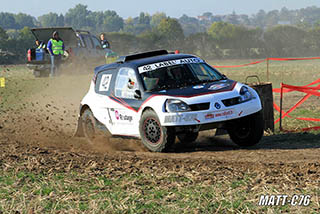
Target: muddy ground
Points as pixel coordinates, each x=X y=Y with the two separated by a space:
x=40 y=127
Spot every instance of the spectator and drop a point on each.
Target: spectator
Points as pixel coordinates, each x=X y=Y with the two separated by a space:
x=104 y=43
x=40 y=44
x=56 y=50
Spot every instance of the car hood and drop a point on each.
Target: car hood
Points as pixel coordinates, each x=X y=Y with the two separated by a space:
x=67 y=34
x=200 y=89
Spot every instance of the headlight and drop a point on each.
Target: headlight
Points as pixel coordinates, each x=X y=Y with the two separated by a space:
x=173 y=105
x=245 y=94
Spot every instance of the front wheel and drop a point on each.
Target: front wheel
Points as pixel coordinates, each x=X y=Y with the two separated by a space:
x=155 y=137
x=247 y=131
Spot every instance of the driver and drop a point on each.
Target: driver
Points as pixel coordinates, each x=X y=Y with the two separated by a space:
x=177 y=73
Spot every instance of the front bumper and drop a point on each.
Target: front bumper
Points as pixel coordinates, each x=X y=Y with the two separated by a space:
x=212 y=115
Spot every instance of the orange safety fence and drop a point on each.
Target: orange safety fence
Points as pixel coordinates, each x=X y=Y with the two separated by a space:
x=238 y=66
x=309 y=90
x=267 y=59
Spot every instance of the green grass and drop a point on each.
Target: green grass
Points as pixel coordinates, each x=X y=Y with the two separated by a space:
x=139 y=193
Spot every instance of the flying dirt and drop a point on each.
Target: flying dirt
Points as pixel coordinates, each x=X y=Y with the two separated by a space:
x=47 y=117
x=39 y=118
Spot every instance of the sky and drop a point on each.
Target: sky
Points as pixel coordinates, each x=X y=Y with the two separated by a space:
x=173 y=8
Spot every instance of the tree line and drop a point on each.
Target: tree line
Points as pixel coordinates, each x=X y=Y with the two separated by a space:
x=284 y=33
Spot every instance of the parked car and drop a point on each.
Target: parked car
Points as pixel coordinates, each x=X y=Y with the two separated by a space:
x=80 y=46
x=156 y=96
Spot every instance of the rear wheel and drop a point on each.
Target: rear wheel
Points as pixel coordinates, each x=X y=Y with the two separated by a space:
x=188 y=137
x=155 y=137
x=89 y=125
x=247 y=131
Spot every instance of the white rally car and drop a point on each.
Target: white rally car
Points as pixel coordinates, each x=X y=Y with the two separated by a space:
x=157 y=96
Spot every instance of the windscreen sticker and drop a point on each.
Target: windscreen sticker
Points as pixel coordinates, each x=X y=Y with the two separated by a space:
x=158 y=65
x=105 y=82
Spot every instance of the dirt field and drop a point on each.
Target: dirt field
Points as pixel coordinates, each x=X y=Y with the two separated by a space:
x=213 y=175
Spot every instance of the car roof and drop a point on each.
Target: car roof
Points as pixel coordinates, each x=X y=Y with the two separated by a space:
x=144 y=61
x=161 y=58
x=106 y=67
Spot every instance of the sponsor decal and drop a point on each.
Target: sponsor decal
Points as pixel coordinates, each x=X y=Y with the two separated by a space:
x=217 y=105
x=218 y=86
x=157 y=65
x=122 y=117
x=198 y=87
x=180 y=118
x=223 y=113
x=209 y=116
x=212 y=115
x=105 y=82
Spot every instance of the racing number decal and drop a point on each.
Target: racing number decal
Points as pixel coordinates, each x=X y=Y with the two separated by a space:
x=147 y=68
x=105 y=82
x=157 y=65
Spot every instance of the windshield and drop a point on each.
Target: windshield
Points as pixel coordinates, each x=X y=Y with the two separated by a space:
x=179 y=76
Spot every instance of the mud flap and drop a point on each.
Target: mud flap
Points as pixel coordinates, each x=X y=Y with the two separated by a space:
x=79 y=130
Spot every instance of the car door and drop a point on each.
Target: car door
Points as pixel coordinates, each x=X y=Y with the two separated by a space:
x=100 y=52
x=125 y=112
x=103 y=105
x=84 y=43
x=90 y=53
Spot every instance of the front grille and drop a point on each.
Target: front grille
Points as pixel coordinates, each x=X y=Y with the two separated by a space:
x=200 y=106
x=231 y=102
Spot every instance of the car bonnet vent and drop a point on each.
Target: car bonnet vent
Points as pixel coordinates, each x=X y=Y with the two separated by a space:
x=141 y=55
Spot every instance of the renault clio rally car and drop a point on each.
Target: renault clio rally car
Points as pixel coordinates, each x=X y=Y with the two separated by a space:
x=157 y=96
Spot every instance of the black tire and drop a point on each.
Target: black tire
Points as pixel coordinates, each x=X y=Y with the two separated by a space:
x=155 y=137
x=247 y=131
x=89 y=125
x=188 y=137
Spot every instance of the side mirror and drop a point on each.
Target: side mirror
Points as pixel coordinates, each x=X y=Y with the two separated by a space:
x=224 y=76
x=137 y=94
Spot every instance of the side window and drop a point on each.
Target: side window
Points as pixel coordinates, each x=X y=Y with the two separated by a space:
x=87 y=40
x=103 y=82
x=96 y=43
x=126 y=83
x=79 y=41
